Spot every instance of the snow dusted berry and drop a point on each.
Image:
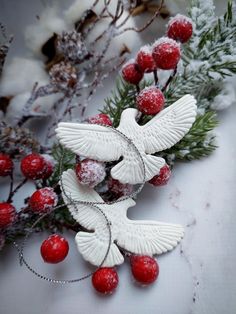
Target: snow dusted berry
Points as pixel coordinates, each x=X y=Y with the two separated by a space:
x=180 y=28
x=54 y=249
x=50 y=164
x=7 y=214
x=162 y=178
x=33 y=166
x=150 y=100
x=100 y=118
x=166 y=53
x=131 y=72
x=144 y=269
x=118 y=188
x=105 y=280
x=6 y=165
x=43 y=200
x=90 y=172
x=145 y=59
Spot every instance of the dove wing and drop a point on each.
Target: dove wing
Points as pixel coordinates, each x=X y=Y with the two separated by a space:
x=92 y=245
x=90 y=140
x=86 y=215
x=149 y=237
x=169 y=126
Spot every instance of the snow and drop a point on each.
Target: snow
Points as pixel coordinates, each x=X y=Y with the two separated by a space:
x=17 y=103
x=166 y=40
x=226 y=98
x=49 y=23
x=181 y=18
x=20 y=75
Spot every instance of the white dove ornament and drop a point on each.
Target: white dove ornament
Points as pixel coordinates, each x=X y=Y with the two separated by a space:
x=104 y=144
x=138 y=237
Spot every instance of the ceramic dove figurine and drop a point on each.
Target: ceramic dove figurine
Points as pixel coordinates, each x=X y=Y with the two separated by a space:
x=101 y=143
x=136 y=236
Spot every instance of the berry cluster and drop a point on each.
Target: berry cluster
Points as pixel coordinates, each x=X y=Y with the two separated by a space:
x=164 y=54
x=34 y=167
x=144 y=269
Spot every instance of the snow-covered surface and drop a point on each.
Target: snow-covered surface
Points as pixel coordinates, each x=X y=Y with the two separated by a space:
x=196 y=278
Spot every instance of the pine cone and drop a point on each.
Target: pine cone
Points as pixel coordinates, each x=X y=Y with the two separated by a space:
x=17 y=141
x=63 y=75
x=72 y=46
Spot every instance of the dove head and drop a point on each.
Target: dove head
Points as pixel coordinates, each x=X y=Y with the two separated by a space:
x=129 y=114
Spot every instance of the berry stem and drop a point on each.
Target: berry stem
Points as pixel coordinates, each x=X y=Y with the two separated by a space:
x=171 y=77
x=11 y=189
x=155 y=77
x=138 y=89
x=12 y=192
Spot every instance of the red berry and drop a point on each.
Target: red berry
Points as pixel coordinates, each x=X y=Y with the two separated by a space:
x=100 y=118
x=118 y=188
x=180 y=28
x=33 y=166
x=54 y=249
x=7 y=214
x=145 y=59
x=166 y=53
x=131 y=72
x=43 y=200
x=150 y=100
x=144 y=269
x=6 y=165
x=105 y=280
x=162 y=178
x=50 y=164
x=90 y=172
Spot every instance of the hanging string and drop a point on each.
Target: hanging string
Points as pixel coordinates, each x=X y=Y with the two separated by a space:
x=72 y=202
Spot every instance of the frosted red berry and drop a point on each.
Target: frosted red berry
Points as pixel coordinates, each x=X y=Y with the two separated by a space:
x=118 y=188
x=6 y=165
x=162 y=178
x=166 y=53
x=144 y=269
x=50 y=164
x=7 y=214
x=132 y=73
x=90 y=172
x=54 y=249
x=43 y=200
x=150 y=100
x=33 y=166
x=180 y=28
x=100 y=118
x=105 y=280
x=145 y=59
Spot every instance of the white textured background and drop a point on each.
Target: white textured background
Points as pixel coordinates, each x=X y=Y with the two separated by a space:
x=197 y=277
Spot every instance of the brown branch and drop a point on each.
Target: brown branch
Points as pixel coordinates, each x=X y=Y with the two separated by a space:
x=13 y=192
x=149 y=22
x=9 y=199
x=171 y=77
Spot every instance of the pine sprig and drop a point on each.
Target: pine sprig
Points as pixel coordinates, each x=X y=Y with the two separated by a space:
x=198 y=143
x=122 y=97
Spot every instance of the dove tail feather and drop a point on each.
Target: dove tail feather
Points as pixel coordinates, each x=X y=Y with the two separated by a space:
x=150 y=238
x=94 y=250
x=132 y=173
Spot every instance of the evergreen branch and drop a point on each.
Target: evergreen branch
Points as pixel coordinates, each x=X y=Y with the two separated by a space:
x=198 y=143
